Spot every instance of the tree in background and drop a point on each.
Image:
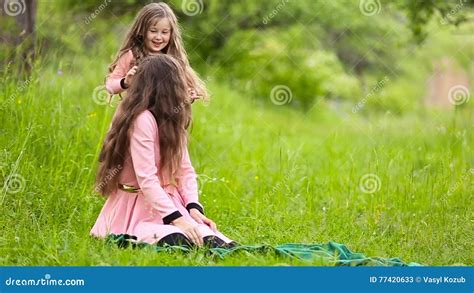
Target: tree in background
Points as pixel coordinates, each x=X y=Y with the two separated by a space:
x=334 y=50
x=18 y=31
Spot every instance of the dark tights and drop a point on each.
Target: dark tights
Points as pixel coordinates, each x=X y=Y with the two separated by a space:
x=179 y=239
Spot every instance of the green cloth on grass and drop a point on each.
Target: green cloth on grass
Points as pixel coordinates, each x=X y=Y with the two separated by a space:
x=331 y=252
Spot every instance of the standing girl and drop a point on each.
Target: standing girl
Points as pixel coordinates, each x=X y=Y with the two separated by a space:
x=154 y=196
x=155 y=30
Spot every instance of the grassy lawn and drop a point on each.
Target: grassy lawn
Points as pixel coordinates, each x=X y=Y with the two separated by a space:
x=267 y=174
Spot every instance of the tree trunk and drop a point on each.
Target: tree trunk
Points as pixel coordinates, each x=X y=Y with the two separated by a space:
x=19 y=17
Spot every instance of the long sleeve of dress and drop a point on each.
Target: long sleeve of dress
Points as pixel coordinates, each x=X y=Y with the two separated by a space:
x=144 y=138
x=112 y=84
x=188 y=186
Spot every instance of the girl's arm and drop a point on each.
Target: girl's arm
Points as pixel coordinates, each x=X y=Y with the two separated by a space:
x=113 y=82
x=188 y=187
x=142 y=142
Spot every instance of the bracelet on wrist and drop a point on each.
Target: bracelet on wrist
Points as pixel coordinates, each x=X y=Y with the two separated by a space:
x=122 y=84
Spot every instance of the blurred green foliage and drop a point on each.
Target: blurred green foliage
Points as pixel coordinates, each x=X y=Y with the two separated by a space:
x=333 y=50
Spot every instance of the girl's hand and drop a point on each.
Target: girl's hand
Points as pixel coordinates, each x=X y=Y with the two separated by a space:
x=190 y=230
x=201 y=219
x=193 y=94
x=129 y=76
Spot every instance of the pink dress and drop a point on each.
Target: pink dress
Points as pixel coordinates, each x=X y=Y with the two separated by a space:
x=112 y=84
x=148 y=213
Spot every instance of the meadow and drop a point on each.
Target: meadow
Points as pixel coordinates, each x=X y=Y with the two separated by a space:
x=385 y=184
x=267 y=175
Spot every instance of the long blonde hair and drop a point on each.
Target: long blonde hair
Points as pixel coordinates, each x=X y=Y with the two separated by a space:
x=135 y=41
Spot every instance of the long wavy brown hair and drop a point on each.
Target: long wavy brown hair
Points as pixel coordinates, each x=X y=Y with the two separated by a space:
x=135 y=39
x=160 y=87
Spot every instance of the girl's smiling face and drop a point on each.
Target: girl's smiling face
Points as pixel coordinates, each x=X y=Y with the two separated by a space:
x=158 y=36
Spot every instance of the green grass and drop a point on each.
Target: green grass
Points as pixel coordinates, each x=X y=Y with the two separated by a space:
x=268 y=174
